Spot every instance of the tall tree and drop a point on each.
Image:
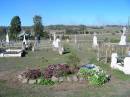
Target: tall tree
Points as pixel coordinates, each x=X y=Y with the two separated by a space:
x=38 y=27
x=15 y=27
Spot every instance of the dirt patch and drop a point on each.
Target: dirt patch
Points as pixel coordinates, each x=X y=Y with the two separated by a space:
x=66 y=86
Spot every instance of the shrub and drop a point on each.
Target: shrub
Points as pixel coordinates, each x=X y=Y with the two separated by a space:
x=56 y=70
x=113 y=40
x=65 y=37
x=86 y=73
x=98 y=79
x=73 y=60
x=32 y=74
x=95 y=76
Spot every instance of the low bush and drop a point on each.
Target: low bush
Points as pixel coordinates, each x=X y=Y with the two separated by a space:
x=44 y=81
x=32 y=73
x=98 y=79
x=56 y=70
x=95 y=76
x=73 y=60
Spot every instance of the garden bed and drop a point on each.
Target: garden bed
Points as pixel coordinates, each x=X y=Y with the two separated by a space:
x=58 y=73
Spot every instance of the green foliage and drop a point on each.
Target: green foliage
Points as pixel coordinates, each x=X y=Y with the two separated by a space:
x=73 y=60
x=128 y=39
x=38 y=27
x=65 y=37
x=98 y=79
x=114 y=40
x=86 y=73
x=45 y=35
x=44 y=81
x=2 y=32
x=15 y=27
x=95 y=76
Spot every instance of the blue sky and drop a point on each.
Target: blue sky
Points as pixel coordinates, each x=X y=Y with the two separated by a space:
x=88 y=12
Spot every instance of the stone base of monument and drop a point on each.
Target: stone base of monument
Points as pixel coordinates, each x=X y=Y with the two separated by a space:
x=125 y=68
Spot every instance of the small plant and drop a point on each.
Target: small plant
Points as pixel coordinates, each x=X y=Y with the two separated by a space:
x=86 y=73
x=44 y=81
x=98 y=79
x=73 y=60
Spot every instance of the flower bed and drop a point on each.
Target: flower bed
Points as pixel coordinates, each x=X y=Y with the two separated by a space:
x=50 y=75
x=94 y=74
x=61 y=72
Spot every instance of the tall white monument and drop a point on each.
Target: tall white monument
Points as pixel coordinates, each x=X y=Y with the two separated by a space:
x=123 y=37
x=95 y=44
x=54 y=39
x=24 y=40
x=57 y=43
x=7 y=38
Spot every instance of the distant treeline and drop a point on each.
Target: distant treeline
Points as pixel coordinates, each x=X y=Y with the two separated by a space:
x=70 y=29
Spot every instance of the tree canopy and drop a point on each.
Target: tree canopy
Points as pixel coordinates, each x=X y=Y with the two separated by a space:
x=15 y=27
x=38 y=27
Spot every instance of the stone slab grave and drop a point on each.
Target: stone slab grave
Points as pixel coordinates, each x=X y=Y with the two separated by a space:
x=11 y=53
x=115 y=65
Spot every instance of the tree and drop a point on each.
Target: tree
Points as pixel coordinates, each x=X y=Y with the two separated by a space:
x=73 y=60
x=15 y=27
x=38 y=27
x=2 y=32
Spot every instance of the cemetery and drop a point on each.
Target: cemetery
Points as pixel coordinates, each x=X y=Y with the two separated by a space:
x=86 y=64
x=64 y=48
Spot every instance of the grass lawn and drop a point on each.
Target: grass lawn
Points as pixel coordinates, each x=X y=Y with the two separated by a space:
x=119 y=86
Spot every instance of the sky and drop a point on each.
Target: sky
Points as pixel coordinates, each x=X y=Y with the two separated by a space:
x=68 y=12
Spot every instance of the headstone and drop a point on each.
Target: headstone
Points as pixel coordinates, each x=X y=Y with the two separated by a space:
x=61 y=50
x=123 y=37
x=56 y=43
x=24 y=39
x=95 y=44
x=7 y=38
x=114 y=60
x=67 y=40
x=24 y=42
x=126 y=68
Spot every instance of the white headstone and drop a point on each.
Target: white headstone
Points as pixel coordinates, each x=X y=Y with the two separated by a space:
x=67 y=40
x=95 y=41
x=54 y=39
x=61 y=50
x=123 y=37
x=113 y=60
x=24 y=40
x=126 y=68
x=57 y=43
x=7 y=38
